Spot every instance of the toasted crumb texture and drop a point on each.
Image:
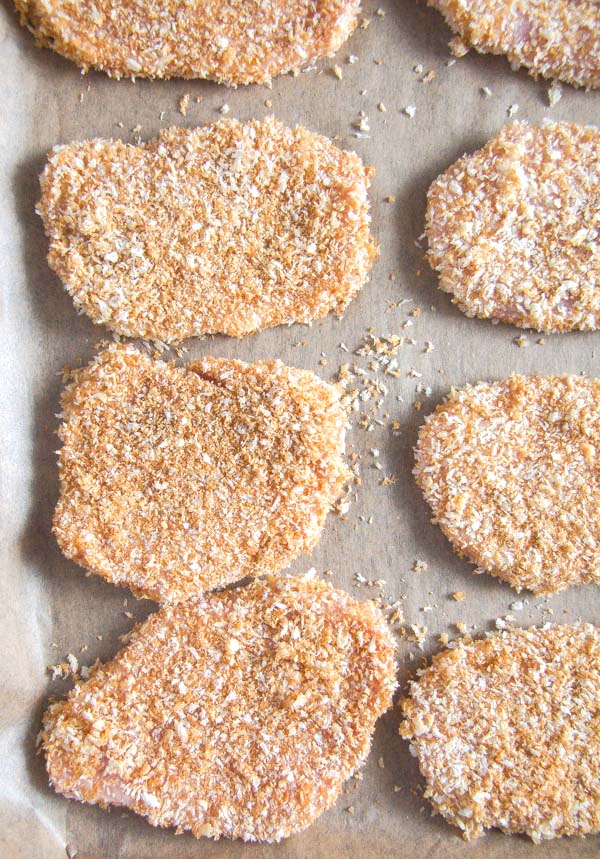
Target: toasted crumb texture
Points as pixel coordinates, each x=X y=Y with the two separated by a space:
x=174 y=480
x=507 y=732
x=553 y=38
x=237 y=715
x=514 y=229
x=511 y=471
x=229 y=228
x=231 y=41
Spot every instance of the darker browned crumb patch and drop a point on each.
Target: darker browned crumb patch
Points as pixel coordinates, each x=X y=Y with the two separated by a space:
x=229 y=228
x=177 y=480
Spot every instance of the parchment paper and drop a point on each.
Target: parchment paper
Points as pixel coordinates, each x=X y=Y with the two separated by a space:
x=49 y=608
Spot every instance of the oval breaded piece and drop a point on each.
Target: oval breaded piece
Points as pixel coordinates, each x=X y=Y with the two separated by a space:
x=511 y=471
x=229 y=228
x=230 y=41
x=239 y=715
x=514 y=229
x=175 y=480
x=507 y=732
x=553 y=38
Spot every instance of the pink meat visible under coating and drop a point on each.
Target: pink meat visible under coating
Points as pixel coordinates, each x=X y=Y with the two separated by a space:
x=507 y=729
x=553 y=38
x=514 y=228
x=240 y=714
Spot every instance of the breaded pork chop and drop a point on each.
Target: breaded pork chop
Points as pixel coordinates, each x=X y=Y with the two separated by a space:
x=175 y=480
x=511 y=471
x=228 y=228
x=239 y=714
x=507 y=732
x=231 y=41
x=514 y=228
x=553 y=38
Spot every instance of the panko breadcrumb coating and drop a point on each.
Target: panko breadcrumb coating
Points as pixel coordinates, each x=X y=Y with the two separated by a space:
x=239 y=715
x=507 y=732
x=553 y=38
x=229 y=228
x=230 y=41
x=511 y=471
x=514 y=229
x=175 y=480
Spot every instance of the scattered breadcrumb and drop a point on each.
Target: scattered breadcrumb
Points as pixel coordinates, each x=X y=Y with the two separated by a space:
x=506 y=732
x=554 y=93
x=511 y=473
x=249 y=225
x=513 y=230
x=174 y=480
x=240 y=715
x=224 y=40
x=183 y=104
x=410 y=111
x=362 y=123
x=419 y=634
x=553 y=38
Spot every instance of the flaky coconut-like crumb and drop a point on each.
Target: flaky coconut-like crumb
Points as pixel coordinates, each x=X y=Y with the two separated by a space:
x=237 y=715
x=507 y=732
x=553 y=38
x=513 y=229
x=229 y=228
x=511 y=471
x=226 y=40
x=174 y=480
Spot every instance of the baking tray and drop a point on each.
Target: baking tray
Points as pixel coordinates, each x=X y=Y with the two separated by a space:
x=50 y=609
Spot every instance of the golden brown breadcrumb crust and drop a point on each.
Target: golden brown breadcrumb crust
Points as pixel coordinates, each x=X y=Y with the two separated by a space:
x=507 y=732
x=514 y=229
x=511 y=471
x=228 y=228
x=175 y=480
x=239 y=715
x=231 y=41
x=553 y=38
